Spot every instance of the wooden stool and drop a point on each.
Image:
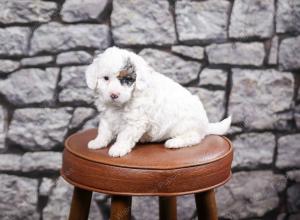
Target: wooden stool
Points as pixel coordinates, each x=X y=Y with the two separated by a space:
x=150 y=169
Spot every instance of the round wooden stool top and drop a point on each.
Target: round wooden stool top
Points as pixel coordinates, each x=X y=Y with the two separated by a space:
x=149 y=169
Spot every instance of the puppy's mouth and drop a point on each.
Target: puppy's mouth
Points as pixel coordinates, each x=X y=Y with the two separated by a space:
x=113 y=102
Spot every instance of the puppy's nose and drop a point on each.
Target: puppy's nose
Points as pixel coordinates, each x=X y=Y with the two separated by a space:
x=114 y=95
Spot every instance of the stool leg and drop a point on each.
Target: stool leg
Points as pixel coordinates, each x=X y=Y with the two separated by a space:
x=80 y=205
x=120 y=208
x=167 y=208
x=206 y=205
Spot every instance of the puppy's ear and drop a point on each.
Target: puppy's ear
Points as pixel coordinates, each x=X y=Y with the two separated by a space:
x=91 y=75
x=130 y=67
x=136 y=73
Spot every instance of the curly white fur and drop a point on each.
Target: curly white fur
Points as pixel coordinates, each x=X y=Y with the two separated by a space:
x=153 y=108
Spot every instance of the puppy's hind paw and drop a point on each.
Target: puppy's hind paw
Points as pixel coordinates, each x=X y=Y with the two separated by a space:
x=117 y=151
x=174 y=143
x=95 y=144
x=186 y=140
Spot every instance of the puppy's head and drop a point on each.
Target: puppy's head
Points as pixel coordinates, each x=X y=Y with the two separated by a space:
x=113 y=75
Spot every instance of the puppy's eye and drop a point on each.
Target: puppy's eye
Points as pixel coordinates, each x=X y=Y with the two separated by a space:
x=127 y=80
x=106 y=78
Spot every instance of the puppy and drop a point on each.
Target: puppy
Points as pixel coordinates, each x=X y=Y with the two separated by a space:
x=139 y=104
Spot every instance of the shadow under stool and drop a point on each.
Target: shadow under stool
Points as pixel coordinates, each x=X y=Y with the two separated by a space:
x=149 y=170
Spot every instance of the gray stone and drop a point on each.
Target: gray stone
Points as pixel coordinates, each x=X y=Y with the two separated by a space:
x=39 y=128
x=288 y=16
x=14 y=40
x=41 y=161
x=91 y=123
x=74 y=86
x=2 y=141
x=30 y=86
x=18 y=198
x=213 y=101
x=258 y=98
x=236 y=53
x=293 y=198
x=294 y=175
x=216 y=77
x=140 y=22
x=195 y=52
x=74 y=57
x=261 y=196
x=253 y=149
x=54 y=37
x=26 y=11
x=281 y=216
x=288 y=152
x=60 y=201
x=3 y=124
x=33 y=61
x=289 y=53
x=100 y=197
x=10 y=162
x=297 y=115
x=186 y=207
x=205 y=20
x=80 y=115
x=145 y=207
x=8 y=66
x=79 y=10
x=273 y=51
x=46 y=186
x=294 y=217
x=252 y=19
x=172 y=66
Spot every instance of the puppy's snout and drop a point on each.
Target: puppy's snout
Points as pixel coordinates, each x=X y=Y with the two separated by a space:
x=114 y=95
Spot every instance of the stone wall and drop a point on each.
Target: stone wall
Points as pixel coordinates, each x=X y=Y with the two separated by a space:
x=241 y=57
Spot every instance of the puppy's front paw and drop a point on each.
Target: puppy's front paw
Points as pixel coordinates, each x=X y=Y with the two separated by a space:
x=96 y=144
x=118 y=151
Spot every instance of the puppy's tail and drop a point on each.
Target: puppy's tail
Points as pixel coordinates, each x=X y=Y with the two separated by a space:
x=219 y=128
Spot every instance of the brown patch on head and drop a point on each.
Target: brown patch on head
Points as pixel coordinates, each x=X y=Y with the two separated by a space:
x=122 y=74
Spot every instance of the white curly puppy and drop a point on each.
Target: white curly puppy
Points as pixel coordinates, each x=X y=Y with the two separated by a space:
x=139 y=104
